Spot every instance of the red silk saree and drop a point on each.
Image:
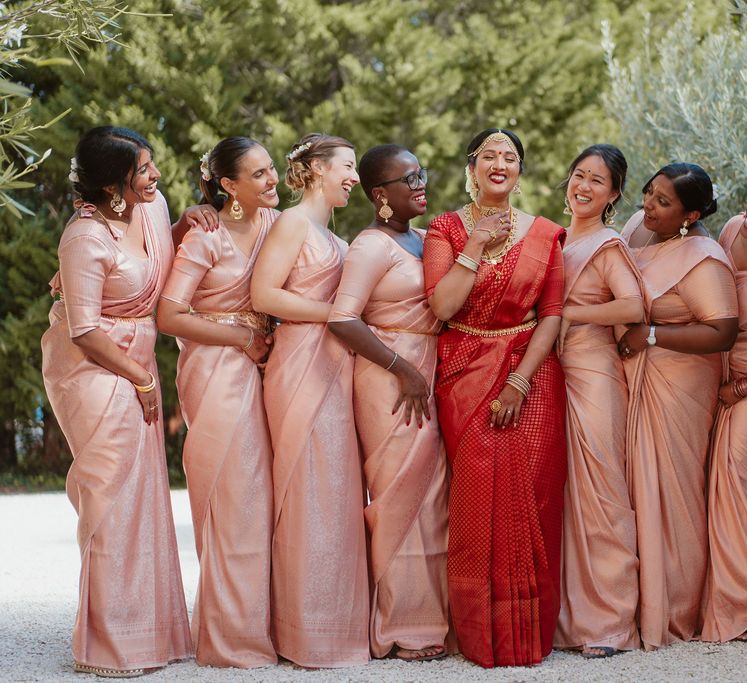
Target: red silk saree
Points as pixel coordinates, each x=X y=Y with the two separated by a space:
x=506 y=501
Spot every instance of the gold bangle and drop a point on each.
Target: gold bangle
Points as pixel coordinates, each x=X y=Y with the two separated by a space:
x=394 y=360
x=145 y=388
x=250 y=343
x=519 y=383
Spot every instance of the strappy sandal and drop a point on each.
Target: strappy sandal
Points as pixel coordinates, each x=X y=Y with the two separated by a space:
x=422 y=658
x=604 y=652
x=111 y=673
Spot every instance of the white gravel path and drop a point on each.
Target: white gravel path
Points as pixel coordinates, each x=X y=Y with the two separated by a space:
x=38 y=590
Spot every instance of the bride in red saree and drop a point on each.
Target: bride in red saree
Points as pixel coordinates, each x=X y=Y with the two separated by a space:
x=496 y=275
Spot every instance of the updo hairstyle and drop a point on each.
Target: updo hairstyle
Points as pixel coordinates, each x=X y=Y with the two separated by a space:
x=692 y=185
x=105 y=156
x=484 y=135
x=613 y=159
x=224 y=161
x=300 y=175
x=374 y=165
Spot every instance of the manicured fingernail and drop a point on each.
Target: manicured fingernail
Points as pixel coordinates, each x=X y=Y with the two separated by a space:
x=407 y=424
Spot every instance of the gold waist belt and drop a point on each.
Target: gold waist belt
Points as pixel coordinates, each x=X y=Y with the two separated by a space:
x=402 y=329
x=258 y=321
x=480 y=332
x=120 y=318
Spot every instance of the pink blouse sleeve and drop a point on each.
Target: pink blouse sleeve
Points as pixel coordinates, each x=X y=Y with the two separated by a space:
x=198 y=253
x=709 y=291
x=85 y=261
x=615 y=270
x=550 y=301
x=367 y=261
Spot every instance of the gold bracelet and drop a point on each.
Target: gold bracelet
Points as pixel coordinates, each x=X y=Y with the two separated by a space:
x=145 y=388
x=250 y=343
x=519 y=383
x=394 y=360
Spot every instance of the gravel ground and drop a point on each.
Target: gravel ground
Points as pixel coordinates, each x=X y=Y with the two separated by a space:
x=38 y=592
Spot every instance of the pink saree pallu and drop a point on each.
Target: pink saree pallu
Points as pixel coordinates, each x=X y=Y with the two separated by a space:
x=227 y=453
x=319 y=574
x=599 y=567
x=686 y=280
x=405 y=467
x=131 y=611
x=726 y=588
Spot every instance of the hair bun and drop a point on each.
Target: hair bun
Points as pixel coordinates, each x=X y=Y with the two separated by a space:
x=710 y=209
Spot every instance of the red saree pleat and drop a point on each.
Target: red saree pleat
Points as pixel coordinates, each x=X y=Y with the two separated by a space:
x=505 y=508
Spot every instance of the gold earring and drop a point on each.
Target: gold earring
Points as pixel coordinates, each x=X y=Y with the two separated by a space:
x=609 y=214
x=517 y=188
x=683 y=229
x=385 y=211
x=567 y=211
x=118 y=204
x=237 y=213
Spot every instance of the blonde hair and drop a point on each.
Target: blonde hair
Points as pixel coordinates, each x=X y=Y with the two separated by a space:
x=300 y=176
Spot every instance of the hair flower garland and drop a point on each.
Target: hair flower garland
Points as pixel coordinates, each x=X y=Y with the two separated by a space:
x=293 y=155
x=205 y=166
x=73 y=175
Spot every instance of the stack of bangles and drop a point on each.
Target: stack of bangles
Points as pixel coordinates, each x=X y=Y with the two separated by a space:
x=250 y=343
x=145 y=388
x=467 y=261
x=521 y=384
x=740 y=387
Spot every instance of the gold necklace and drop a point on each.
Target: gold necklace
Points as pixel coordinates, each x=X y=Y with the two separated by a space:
x=487 y=255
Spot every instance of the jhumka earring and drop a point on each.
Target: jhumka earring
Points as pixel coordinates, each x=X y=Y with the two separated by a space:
x=118 y=204
x=567 y=211
x=683 y=229
x=237 y=213
x=385 y=211
x=471 y=183
x=517 y=187
x=609 y=214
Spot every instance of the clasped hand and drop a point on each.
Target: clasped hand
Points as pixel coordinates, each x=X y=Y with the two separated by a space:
x=633 y=341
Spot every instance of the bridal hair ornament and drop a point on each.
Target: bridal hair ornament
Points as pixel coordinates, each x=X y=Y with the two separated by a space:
x=470 y=185
x=205 y=166
x=73 y=175
x=294 y=154
x=500 y=136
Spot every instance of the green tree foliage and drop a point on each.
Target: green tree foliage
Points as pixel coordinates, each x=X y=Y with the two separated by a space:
x=685 y=100
x=426 y=74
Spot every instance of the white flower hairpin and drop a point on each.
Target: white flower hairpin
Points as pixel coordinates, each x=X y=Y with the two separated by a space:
x=205 y=166
x=297 y=152
x=73 y=175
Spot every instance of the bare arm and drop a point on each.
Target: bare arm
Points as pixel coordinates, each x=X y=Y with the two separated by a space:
x=710 y=336
x=175 y=319
x=97 y=345
x=276 y=259
x=453 y=288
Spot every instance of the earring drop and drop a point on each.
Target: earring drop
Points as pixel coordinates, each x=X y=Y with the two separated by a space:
x=385 y=211
x=609 y=214
x=567 y=211
x=118 y=204
x=683 y=229
x=517 y=188
x=236 y=212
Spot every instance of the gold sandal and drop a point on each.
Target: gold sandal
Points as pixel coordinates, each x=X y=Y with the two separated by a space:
x=109 y=673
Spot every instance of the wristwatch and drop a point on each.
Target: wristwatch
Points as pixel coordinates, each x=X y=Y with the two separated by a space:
x=651 y=339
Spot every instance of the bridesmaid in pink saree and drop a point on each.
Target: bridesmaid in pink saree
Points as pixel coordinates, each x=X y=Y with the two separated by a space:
x=691 y=301
x=726 y=595
x=227 y=453
x=599 y=570
x=102 y=381
x=381 y=312
x=319 y=574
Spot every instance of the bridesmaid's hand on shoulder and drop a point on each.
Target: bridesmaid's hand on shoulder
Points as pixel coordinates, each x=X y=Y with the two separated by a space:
x=203 y=215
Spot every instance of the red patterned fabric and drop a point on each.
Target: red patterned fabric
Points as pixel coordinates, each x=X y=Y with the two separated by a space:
x=506 y=503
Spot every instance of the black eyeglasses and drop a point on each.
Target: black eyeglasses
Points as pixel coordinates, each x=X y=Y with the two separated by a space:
x=413 y=179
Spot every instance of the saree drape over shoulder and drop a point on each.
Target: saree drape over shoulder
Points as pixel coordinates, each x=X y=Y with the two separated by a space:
x=405 y=467
x=686 y=281
x=506 y=500
x=599 y=572
x=131 y=610
x=726 y=602
x=319 y=573
x=227 y=453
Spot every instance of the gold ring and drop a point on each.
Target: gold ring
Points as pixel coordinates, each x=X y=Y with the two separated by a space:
x=496 y=405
